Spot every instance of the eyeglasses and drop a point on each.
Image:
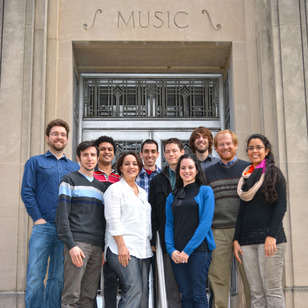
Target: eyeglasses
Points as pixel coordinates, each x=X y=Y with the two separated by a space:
x=258 y=148
x=63 y=135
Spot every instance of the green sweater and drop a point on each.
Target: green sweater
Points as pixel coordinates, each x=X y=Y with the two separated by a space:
x=223 y=181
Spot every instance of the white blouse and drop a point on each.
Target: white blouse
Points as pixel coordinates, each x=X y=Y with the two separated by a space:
x=128 y=215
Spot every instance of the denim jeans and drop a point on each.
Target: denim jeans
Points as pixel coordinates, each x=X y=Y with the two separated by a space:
x=44 y=243
x=134 y=279
x=191 y=278
x=111 y=285
x=264 y=275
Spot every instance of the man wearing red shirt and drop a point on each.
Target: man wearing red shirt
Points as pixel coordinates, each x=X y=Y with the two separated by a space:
x=104 y=173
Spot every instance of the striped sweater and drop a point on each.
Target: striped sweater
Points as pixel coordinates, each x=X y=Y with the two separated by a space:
x=80 y=212
x=223 y=181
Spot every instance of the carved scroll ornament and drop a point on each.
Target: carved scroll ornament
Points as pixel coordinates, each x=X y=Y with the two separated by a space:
x=217 y=27
x=86 y=27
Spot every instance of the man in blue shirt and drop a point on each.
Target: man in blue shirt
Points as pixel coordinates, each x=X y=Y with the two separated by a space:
x=149 y=154
x=40 y=187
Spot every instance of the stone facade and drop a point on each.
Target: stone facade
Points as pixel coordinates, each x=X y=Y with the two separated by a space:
x=262 y=44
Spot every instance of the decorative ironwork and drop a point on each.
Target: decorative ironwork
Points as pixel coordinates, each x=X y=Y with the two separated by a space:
x=217 y=27
x=227 y=102
x=75 y=113
x=155 y=98
x=123 y=146
x=86 y=27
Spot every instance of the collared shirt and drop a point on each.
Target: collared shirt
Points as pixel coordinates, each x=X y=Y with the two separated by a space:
x=40 y=185
x=143 y=179
x=172 y=178
x=209 y=161
x=130 y=216
x=230 y=163
x=103 y=176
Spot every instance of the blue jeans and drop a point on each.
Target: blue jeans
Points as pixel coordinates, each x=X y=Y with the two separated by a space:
x=44 y=243
x=134 y=279
x=191 y=279
x=111 y=285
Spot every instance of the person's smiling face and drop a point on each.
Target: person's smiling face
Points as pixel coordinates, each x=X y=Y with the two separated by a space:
x=188 y=171
x=225 y=148
x=129 y=168
x=256 y=151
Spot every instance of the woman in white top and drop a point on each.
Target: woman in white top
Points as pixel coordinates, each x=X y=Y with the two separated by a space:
x=128 y=233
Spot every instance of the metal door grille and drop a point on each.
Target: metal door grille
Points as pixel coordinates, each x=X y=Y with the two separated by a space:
x=151 y=98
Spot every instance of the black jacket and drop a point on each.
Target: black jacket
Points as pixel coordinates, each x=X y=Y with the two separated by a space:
x=160 y=188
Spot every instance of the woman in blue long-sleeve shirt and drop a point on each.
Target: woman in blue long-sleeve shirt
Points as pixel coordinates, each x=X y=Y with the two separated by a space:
x=188 y=234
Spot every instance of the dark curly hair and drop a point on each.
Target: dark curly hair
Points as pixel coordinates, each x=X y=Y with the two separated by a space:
x=200 y=177
x=108 y=139
x=271 y=173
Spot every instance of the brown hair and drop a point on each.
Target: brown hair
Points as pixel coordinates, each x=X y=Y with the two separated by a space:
x=85 y=145
x=174 y=140
x=121 y=159
x=204 y=132
x=57 y=122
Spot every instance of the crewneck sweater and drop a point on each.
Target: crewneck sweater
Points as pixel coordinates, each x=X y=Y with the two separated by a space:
x=223 y=180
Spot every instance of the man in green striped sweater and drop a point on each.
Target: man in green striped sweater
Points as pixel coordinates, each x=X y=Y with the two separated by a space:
x=223 y=177
x=81 y=226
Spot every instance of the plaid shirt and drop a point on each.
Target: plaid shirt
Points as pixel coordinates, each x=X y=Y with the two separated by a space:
x=143 y=179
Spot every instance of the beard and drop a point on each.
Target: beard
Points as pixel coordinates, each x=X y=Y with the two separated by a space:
x=57 y=147
x=202 y=150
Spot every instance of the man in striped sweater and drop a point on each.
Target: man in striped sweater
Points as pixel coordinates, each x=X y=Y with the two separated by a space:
x=223 y=177
x=81 y=226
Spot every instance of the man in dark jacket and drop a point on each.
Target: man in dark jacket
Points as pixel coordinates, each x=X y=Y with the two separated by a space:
x=161 y=186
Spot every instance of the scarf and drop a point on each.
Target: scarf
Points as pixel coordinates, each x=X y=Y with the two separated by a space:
x=180 y=194
x=251 y=181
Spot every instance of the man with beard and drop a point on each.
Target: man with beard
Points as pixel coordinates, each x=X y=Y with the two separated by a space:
x=40 y=188
x=223 y=177
x=201 y=142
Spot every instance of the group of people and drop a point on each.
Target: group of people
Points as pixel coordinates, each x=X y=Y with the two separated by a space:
x=201 y=210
